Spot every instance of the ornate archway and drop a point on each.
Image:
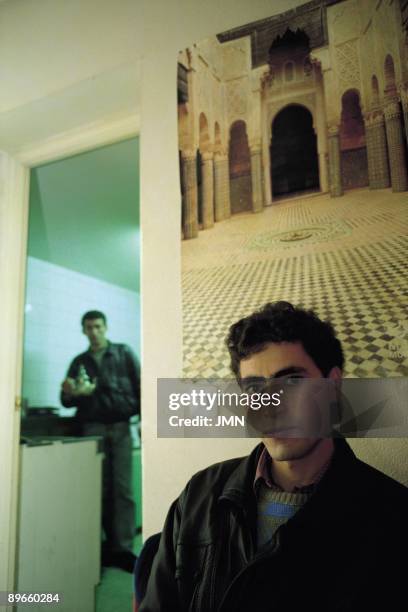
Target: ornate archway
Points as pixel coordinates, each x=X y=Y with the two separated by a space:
x=354 y=165
x=293 y=152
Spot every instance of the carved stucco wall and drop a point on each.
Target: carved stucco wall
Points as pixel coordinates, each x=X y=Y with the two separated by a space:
x=361 y=34
x=237 y=99
x=369 y=65
x=209 y=86
x=343 y=21
x=236 y=56
x=227 y=89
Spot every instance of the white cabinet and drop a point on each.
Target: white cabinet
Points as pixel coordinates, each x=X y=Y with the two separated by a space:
x=59 y=534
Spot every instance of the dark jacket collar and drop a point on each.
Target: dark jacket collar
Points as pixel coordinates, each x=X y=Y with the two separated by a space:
x=339 y=482
x=108 y=348
x=240 y=483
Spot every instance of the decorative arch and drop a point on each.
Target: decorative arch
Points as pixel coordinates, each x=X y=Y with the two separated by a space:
x=185 y=137
x=204 y=133
x=353 y=141
x=389 y=75
x=375 y=91
x=217 y=137
x=289 y=71
x=352 y=132
x=284 y=104
x=293 y=151
x=307 y=66
x=239 y=168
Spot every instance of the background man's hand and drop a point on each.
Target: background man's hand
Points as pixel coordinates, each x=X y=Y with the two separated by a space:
x=74 y=389
x=69 y=386
x=86 y=388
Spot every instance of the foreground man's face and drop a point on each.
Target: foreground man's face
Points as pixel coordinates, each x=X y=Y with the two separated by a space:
x=283 y=360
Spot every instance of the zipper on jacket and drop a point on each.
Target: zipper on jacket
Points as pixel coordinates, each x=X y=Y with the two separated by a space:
x=195 y=605
x=214 y=570
x=192 y=607
x=258 y=559
x=217 y=553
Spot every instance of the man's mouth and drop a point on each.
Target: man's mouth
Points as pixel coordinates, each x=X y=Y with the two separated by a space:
x=286 y=432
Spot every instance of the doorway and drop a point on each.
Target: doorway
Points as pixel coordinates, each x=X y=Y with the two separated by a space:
x=293 y=152
x=83 y=234
x=354 y=163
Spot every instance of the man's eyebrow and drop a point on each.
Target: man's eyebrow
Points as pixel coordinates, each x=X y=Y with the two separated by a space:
x=280 y=373
x=289 y=370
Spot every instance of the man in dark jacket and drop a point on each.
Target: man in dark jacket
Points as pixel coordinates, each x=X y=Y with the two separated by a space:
x=104 y=384
x=299 y=524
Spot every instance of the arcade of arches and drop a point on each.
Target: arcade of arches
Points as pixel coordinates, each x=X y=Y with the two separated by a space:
x=315 y=101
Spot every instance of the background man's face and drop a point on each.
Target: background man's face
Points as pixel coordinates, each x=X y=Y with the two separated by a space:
x=95 y=330
x=283 y=360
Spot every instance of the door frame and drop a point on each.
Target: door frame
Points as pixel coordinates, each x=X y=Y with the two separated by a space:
x=15 y=169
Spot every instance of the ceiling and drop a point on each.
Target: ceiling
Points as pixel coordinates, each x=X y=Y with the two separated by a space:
x=65 y=65
x=84 y=213
x=104 y=97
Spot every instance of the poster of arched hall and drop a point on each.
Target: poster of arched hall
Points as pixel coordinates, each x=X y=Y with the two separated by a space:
x=294 y=177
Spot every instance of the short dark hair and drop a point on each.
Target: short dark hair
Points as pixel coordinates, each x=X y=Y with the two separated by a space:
x=283 y=322
x=91 y=315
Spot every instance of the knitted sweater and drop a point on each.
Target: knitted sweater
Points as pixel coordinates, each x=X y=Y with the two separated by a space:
x=275 y=507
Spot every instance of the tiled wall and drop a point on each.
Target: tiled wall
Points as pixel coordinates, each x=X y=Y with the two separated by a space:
x=56 y=298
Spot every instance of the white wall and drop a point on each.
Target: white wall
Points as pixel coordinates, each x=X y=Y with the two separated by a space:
x=167 y=464
x=56 y=299
x=167 y=28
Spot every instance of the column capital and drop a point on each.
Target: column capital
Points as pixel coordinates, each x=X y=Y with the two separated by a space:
x=188 y=154
x=333 y=130
x=255 y=148
x=404 y=92
x=392 y=110
x=390 y=94
x=373 y=118
x=220 y=156
x=207 y=156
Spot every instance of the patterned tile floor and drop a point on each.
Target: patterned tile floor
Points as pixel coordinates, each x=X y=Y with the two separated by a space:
x=350 y=267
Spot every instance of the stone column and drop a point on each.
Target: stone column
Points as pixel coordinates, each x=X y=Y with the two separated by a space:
x=323 y=171
x=266 y=173
x=256 y=178
x=207 y=186
x=396 y=146
x=377 y=154
x=404 y=102
x=190 y=198
x=221 y=187
x=336 y=187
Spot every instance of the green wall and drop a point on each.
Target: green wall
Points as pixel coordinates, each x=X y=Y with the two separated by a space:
x=84 y=213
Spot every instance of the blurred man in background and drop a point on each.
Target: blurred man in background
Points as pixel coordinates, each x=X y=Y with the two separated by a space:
x=104 y=384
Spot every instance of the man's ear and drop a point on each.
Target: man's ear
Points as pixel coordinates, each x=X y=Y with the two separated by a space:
x=335 y=374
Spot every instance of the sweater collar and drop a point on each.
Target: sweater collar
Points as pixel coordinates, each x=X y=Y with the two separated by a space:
x=339 y=479
x=264 y=473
